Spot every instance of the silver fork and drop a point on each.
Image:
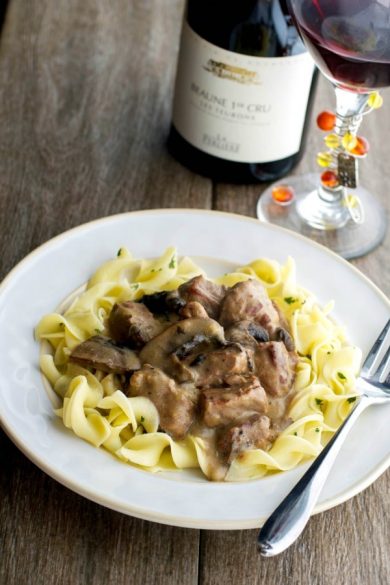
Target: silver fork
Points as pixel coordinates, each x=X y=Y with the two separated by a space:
x=291 y=516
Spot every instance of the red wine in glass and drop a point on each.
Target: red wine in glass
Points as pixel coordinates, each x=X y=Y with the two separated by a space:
x=348 y=39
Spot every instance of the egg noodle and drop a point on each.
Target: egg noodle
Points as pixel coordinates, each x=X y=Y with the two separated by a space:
x=95 y=408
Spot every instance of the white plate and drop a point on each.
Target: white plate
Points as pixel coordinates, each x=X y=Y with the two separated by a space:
x=42 y=280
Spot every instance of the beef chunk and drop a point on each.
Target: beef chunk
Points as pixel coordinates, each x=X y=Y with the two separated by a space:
x=275 y=367
x=132 y=324
x=248 y=301
x=205 y=292
x=253 y=433
x=247 y=333
x=103 y=354
x=193 y=310
x=175 y=403
x=197 y=290
x=214 y=367
x=221 y=406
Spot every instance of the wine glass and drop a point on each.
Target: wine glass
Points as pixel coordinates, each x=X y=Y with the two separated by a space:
x=350 y=43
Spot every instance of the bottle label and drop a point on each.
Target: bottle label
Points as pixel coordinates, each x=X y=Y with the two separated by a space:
x=238 y=107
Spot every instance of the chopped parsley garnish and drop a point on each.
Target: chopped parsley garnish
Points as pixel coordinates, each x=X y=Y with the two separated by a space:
x=296 y=434
x=98 y=330
x=135 y=286
x=317 y=430
x=61 y=325
x=142 y=419
x=341 y=376
x=319 y=401
x=352 y=399
x=119 y=252
x=172 y=263
x=290 y=300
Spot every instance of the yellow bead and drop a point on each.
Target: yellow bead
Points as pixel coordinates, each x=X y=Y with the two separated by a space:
x=349 y=141
x=332 y=141
x=351 y=201
x=375 y=100
x=324 y=159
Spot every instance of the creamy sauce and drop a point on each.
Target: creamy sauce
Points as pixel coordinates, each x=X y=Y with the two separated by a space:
x=216 y=468
x=278 y=406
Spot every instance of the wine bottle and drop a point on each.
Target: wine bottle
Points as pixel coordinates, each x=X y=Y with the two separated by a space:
x=244 y=87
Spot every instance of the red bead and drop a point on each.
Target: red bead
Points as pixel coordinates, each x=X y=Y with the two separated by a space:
x=283 y=194
x=326 y=121
x=329 y=179
x=361 y=147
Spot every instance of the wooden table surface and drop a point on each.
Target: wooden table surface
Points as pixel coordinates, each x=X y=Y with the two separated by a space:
x=86 y=92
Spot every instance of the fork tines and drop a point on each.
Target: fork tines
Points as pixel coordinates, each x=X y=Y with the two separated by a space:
x=379 y=345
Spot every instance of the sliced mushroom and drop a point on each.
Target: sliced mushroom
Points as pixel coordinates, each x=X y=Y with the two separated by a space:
x=188 y=348
x=247 y=333
x=103 y=354
x=193 y=310
x=163 y=350
x=163 y=302
x=281 y=334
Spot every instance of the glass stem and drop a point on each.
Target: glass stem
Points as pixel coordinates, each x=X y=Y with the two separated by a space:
x=350 y=104
x=350 y=107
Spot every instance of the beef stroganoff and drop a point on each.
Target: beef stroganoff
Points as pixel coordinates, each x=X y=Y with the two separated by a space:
x=239 y=376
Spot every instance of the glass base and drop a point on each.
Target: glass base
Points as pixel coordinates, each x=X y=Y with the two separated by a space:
x=326 y=222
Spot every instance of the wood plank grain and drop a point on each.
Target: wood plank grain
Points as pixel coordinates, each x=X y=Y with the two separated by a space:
x=346 y=545
x=50 y=535
x=85 y=101
x=85 y=106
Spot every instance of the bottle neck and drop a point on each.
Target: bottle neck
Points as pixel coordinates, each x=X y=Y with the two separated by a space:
x=260 y=28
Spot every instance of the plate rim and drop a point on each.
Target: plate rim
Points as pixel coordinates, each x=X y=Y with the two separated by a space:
x=190 y=211
x=103 y=499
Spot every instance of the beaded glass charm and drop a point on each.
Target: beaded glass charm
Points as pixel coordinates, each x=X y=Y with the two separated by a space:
x=331 y=207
